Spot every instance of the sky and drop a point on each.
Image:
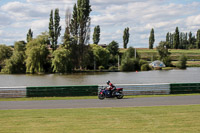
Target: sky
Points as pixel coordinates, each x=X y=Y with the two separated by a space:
x=113 y=16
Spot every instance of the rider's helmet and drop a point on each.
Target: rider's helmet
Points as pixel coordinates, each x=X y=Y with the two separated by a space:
x=108 y=82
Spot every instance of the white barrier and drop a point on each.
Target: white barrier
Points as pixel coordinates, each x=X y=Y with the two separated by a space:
x=129 y=89
x=144 y=89
x=12 y=92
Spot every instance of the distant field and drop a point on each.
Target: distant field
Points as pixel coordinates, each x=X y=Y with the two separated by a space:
x=145 y=53
x=161 y=119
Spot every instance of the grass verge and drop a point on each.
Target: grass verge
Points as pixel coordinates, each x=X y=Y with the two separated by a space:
x=86 y=97
x=161 y=119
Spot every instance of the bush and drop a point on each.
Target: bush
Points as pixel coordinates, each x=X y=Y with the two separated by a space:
x=142 y=62
x=130 y=64
x=182 y=62
x=112 y=68
x=145 y=67
x=101 y=67
x=167 y=61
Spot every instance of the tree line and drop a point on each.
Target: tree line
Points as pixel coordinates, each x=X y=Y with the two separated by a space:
x=178 y=40
x=43 y=54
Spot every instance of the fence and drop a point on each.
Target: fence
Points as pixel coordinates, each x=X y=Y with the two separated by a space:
x=91 y=90
x=183 y=88
x=53 y=91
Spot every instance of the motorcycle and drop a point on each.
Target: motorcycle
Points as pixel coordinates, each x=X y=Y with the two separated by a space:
x=104 y=93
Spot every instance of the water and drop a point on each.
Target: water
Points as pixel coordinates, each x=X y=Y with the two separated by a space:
x=190 y=75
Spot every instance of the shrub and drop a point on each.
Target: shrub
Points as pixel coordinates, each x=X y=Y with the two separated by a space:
x=130 y=64
x=113 y=68
x=167 y=61
x=145 y=67
x=182 y=62
x=101 y=67
x=142 y=62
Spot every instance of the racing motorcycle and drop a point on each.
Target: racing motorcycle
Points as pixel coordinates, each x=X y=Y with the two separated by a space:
x=104 y=93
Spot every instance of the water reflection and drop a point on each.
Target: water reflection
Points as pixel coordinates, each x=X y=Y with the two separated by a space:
x=169 y=76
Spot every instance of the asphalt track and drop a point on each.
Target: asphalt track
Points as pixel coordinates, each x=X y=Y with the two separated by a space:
x=96 y=103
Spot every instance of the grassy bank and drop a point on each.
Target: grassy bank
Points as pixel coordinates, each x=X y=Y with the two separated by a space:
x=86 y=97
x=189 y=63
x=145 y=53
x=167 y=119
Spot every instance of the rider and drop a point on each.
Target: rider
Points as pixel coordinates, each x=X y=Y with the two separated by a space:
x=111 y=88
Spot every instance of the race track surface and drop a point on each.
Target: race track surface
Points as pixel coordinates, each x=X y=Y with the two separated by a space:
x=96 y=103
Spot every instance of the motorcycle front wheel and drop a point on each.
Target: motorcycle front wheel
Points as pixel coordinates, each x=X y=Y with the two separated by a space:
x=101 y=96
x=120 y=96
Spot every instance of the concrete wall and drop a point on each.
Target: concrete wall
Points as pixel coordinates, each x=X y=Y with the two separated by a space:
x=144 y=89
x=12 y=92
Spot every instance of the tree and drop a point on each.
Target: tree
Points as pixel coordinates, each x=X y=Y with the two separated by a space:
x=129 y=62
x=113 y=48
x=83 y=19
x=54 y=28
x=51 y=29
x=5 y=53
x=67 y=36
x=96 y=34
x=16 y=64
x=190 y=38
x=61 y=62
x=37 y=55
x=130 y=53
x=74 y=25
x=20 y=46
x=182 y=62
x=168 y=40
x=151 y=39
x=171 y=38
x=126 y=37
x=70 y=36
x=29 y=36
x=164 y=54
x=198 y=40
x=57 y=27
x=176 y=39
x=101 y=55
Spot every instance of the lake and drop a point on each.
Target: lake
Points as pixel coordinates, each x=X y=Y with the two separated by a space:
x=190 y=75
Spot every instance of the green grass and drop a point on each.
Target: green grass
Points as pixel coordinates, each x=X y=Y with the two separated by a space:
x=86 y=97
x=189 y=63
x=161 y=119
x=146 y=53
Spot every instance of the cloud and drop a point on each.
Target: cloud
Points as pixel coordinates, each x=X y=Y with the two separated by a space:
x=24 y=11
x=40 y=24
x=4 y=20
x=112 y=16
x=193 y=20
x=141 y=16
x=1 y=32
